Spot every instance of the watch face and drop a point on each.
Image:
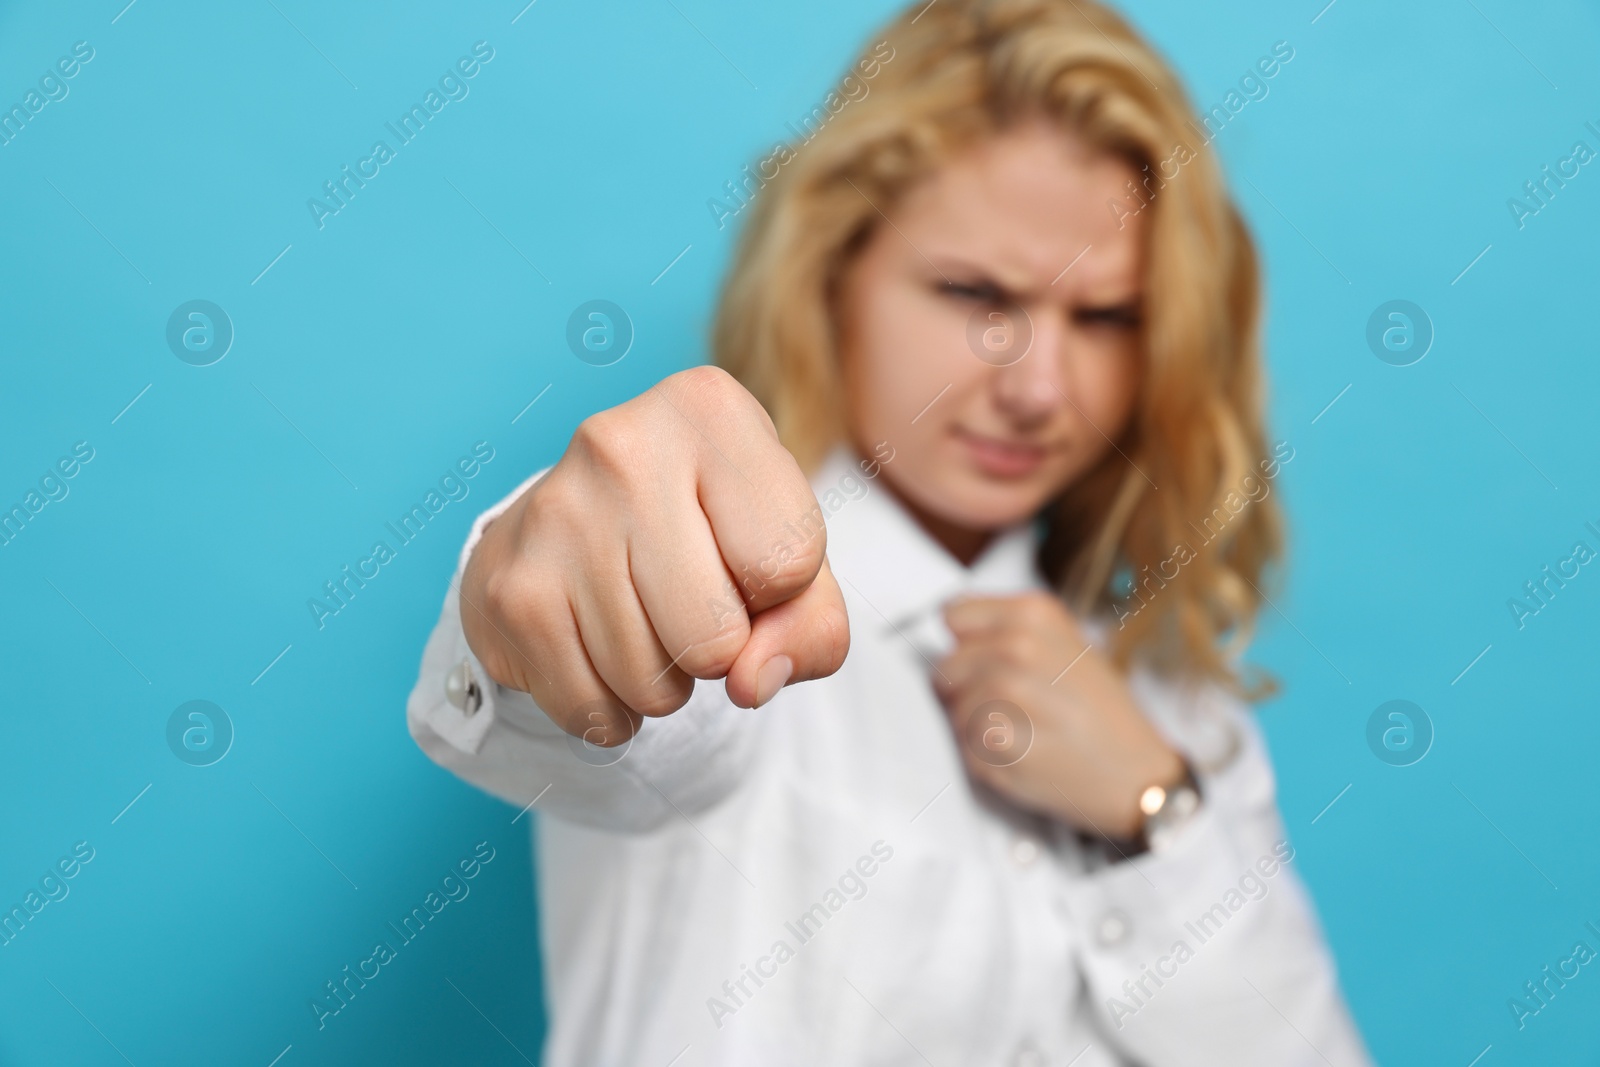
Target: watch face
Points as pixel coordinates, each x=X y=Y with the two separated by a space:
x=1161 y=826
x=1152 y=800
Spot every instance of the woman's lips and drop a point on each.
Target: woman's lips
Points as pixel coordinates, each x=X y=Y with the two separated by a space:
x=1001 y=459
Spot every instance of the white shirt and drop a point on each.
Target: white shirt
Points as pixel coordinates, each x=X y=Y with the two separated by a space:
x=817 y=881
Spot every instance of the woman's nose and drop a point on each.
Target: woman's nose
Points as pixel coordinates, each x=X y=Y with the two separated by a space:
x=1033 y=387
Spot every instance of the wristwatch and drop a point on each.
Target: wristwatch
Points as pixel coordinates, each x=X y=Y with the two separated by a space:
x=1165 y=810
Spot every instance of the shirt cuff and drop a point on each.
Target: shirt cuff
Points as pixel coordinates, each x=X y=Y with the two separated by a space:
x=1135 y=911
x=466 y=704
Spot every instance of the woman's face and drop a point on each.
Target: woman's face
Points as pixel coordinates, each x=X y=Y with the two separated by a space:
x=1010 y=241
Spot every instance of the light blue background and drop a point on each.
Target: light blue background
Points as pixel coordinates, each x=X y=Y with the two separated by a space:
x=412 y=326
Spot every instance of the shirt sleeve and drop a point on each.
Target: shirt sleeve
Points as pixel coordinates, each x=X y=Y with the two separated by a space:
x=499 y=740
x=1210 y=951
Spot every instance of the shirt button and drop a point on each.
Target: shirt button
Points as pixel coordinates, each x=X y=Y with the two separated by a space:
x=1112 y=930
x=1024 y=851
x=461 y=689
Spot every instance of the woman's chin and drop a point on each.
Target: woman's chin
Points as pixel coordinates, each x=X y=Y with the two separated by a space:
x=976 y=502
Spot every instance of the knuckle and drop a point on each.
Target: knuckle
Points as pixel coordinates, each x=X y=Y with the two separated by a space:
x=560 y=520
x=1011 y=651
x=570 y=719
x=795 y=560
x=663 y=697
x=703 y=384
x=709 y=642
x=791 y=577
x=833 y=622
x=496 y=595
x=596 y=723
x=605 y=439
x=810 y=543
x=1037 y=608
x=1030 y=648
x=619 y=732
x=730 y=615
x=711 y=392
x=592 y=432
x=713 y=658
x=514 y=606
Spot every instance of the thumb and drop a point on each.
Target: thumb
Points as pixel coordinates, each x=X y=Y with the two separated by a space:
x=805 y=637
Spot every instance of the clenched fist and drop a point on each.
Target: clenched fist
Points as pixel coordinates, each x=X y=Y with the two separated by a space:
x=676 y=539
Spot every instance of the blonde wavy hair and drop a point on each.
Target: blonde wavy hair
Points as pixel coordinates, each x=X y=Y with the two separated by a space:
x=963 y=69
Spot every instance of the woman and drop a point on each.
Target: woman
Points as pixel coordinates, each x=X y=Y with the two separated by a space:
x=971 y=403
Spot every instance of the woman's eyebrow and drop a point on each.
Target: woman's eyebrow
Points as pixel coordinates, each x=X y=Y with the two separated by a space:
x=1012 y=287
x=953 y=267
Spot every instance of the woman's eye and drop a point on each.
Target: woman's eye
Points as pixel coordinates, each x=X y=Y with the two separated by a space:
x=971 y=291
x=1122 y=318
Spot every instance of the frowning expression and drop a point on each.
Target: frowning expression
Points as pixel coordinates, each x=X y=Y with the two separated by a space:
x=990 y=330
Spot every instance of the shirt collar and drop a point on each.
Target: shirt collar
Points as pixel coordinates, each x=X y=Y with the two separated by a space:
x=878 y=550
